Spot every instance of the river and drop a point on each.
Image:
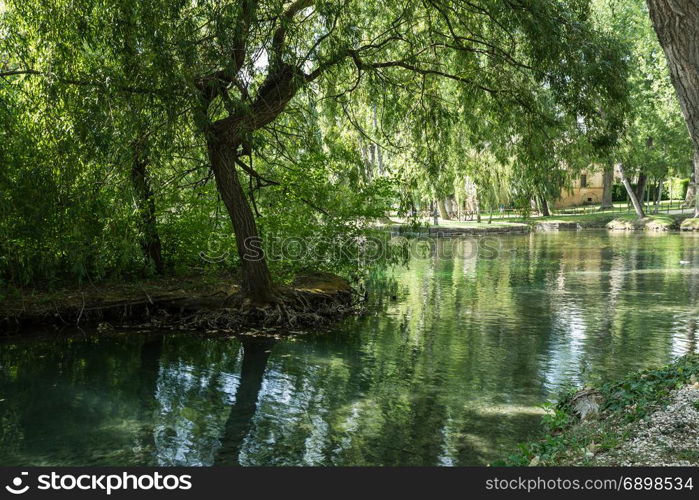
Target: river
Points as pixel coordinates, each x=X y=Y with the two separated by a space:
x=449 y=366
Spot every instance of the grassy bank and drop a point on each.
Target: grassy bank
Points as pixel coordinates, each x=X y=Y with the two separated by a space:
x=594 y=220
x=657 y=222
x=690 y=224
x=611 y=220
x=648 y=418
x=591 y=220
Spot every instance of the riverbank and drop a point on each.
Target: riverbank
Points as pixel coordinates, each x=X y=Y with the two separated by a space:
x=649 y=418
x=194 y=301
x=602 y=220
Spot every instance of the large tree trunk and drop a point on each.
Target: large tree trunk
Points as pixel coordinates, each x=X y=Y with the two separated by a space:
x=632 y=194
x=257 y=281
x=608 y=183
x=145 y=202
x=677 y=24
x=544 y=207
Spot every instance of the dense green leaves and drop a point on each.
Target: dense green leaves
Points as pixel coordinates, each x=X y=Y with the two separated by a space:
x=392 y=106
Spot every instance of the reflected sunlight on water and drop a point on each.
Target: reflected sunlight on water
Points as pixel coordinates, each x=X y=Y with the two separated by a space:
x=452 y=371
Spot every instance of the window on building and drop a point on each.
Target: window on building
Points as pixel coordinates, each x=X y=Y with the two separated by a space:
x=583 y=180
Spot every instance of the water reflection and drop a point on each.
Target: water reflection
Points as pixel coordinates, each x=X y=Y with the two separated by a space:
x=197 y=383
x=238 y=424
x=448 y=368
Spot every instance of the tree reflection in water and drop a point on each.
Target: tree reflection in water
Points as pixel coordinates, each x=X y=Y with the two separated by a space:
x=449 y=367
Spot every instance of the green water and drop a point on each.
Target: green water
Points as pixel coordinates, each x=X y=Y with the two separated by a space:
x=447 y=368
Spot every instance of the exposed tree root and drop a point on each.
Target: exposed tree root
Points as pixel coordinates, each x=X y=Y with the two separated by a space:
x=290 y=308
x=312 y=300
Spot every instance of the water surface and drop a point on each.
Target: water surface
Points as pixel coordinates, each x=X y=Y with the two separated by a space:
x=449 y=366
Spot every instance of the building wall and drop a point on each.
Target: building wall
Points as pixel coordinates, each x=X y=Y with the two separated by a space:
x=591 y=194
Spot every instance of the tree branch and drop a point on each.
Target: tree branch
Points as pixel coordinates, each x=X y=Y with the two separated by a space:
x=85 y=83
x=279 y=37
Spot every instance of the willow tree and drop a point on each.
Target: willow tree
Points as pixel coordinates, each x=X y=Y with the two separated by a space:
x=232 y=67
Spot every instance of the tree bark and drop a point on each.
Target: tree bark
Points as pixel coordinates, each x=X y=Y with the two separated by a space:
x=608 y=183
x=150 y=243
x=696 y=176
x=443 y=213
x=450 y=203
x=366 y=165
x=224 y=137
x=676 y=23
x=145 y=202
x=632 y=194
x=691 y=189
x=544 y=206
x=257 y=281
x=379 y=154
x=658 y=195
x=641 y=185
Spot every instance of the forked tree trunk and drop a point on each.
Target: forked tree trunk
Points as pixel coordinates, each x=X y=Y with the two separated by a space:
x=145 y=202
x=256 y=279
x=632 y=194
x=677 y=24
x=607 y=183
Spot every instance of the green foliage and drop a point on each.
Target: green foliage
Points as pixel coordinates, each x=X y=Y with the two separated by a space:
x=624 y=401
x=394 y=107
x=556 y=418
x=655 y=140
x=638 y=393
x=678 y=189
